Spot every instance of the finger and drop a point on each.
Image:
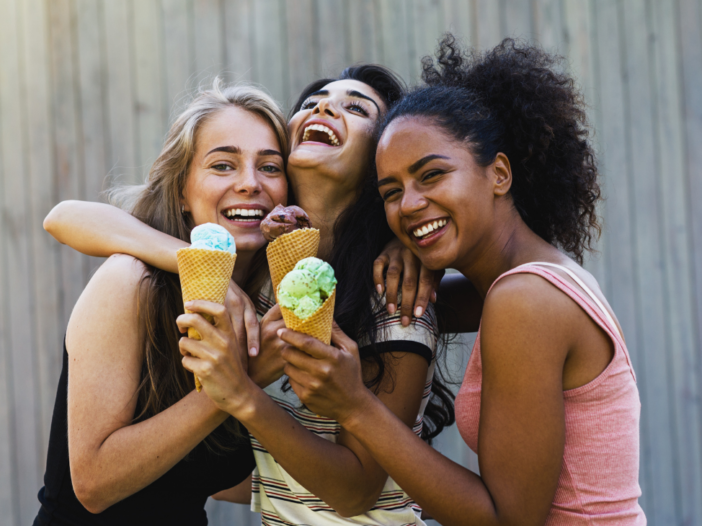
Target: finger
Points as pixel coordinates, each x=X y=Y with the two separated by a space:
x=308 y=344
x=273 y=314
x=340 y=339
x=300 y=377
x=410 y=276
x=216 y=310
x=191 y=347
x=378 y=272
x=197 y=322
x=303 y=361
x=200 y=368
x=253 y=331
x=424 y=291
x=392 y=283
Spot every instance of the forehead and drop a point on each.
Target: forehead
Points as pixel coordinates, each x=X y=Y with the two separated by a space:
x=234 y=126
x=340 y=88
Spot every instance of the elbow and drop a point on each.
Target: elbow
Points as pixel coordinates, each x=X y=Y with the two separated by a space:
x=359 y=505
x=89 y=492
x=55 y=219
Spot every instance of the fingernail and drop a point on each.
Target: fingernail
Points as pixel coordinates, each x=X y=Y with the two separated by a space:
x=188 y=303
x=379 y=288
x=391 y=308
x=279 y=332
x=253 y=351
x=405 y=321
x=418 y=312
x=433 y=296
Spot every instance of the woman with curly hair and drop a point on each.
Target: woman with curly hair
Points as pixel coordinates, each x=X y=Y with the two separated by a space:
x=487 y=169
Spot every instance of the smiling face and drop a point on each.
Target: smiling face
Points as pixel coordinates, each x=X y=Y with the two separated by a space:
x=439 y=202
x=236 y=176
x=332 y=132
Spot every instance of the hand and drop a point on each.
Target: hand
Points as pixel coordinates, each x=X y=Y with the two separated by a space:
x=267 y=366
x=326 y=378
x=215 y=359
x=419 y=284
x=242 y=313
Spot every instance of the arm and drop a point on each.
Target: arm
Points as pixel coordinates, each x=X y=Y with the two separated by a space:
x=239 y=494
x=111 y=458
x=100 y=230
x=343 y=474
x=522 y=422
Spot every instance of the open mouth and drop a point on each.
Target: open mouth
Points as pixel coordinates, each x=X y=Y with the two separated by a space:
x=243 y=215
x=429 y=229
x=321 y=134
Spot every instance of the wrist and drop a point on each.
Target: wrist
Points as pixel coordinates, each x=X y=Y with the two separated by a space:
x=360 y=411
x=244 y=406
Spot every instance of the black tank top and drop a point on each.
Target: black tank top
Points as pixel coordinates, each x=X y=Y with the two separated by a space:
x=178 y=497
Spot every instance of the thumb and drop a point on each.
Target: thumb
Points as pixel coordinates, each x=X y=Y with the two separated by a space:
x=341 y=340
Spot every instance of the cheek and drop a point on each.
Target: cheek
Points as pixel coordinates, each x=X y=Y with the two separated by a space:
x=277 y=190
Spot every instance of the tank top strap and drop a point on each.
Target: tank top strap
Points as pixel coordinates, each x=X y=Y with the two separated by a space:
x=585 y=298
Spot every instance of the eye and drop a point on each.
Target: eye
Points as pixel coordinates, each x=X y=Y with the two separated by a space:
x=221 y=167
x=390 y=193
x=269 y=168
x=357 y=108
x=431 y=174
x=308 y=104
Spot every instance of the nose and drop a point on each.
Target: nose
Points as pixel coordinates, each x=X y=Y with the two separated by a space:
x=412 y=202
x=325 y=106
x=247 y=181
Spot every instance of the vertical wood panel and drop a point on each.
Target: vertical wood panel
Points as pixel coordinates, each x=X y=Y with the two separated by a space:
x=332 y=36
x=516 y=20
x=656 y=418
x=44 y=251
x=549 y=25
x=209 y=42
x=458 y=19
x=487 y=23
x=120 y=97
x=269 y=52
x=179 y=62
x=16 y=226
x=301 y=51
x=149 y=91
x=395 y=41
x=362 y=31
x=238 y=37
x=688 y=363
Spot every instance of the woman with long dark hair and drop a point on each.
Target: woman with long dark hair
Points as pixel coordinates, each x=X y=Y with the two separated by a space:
x=487 y=169
x=308 y=470
x=131 y=441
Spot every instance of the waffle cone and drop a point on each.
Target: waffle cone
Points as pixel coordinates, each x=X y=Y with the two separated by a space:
x=204 y=275
x=284 y=252
x=319 y=325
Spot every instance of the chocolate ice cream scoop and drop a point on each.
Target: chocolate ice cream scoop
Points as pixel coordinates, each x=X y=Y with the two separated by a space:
x=283 y=220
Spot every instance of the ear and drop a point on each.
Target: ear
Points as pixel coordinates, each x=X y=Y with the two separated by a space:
x=502 y=172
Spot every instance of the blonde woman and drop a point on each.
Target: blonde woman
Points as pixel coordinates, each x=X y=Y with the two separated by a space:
x=131 y=441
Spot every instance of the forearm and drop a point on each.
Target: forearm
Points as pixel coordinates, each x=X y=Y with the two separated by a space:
x=101 y=230
x=136 y=455
x=450 y=493
x=330 y=471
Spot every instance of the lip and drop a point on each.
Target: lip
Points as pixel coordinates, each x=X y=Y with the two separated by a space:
x=323 y=123
x=254 y=223
x=433 y=237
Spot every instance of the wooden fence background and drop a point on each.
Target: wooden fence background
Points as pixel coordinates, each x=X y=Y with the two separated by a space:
x=87 y=89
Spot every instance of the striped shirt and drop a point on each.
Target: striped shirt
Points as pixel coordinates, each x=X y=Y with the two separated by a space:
x=280 y=499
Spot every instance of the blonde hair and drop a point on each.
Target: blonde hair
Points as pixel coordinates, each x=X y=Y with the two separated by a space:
x=157 y=202
x=164 y=381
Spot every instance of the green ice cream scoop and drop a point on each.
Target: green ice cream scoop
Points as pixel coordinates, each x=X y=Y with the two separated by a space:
x=304 y=289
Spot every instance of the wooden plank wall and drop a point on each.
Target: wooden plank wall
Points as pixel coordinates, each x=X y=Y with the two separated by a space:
x=88 y=88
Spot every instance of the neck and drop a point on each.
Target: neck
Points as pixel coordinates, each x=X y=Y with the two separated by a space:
x=324 y=199
x=241 y=267
x=511 y=244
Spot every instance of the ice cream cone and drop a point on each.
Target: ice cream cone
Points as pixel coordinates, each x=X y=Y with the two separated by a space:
x=319 y=325
x=204 y=275
x=284 y=253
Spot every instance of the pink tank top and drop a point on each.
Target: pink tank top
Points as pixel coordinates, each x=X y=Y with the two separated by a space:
x=598 y=483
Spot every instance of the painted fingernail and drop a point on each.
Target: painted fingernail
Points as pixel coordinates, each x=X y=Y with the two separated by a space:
x=418 y=312
x=391 y=308
x=253 y=351
x=405 y=321
x=279 y=332
x=379 y=288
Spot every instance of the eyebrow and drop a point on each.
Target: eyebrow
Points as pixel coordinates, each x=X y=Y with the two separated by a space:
x=350 y=93
x=237 y=151
x=424 y=160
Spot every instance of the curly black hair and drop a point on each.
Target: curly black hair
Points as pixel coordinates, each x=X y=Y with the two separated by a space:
x=513 y=99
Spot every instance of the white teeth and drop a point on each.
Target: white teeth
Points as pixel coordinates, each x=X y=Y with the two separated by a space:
x=321 y=128
x=429 y=228
x=243 y=212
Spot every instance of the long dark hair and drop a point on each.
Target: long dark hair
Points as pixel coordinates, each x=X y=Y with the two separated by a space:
x=512 y=99
x=360 y=234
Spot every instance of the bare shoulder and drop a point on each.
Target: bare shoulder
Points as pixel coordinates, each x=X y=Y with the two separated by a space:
x=108 y=306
